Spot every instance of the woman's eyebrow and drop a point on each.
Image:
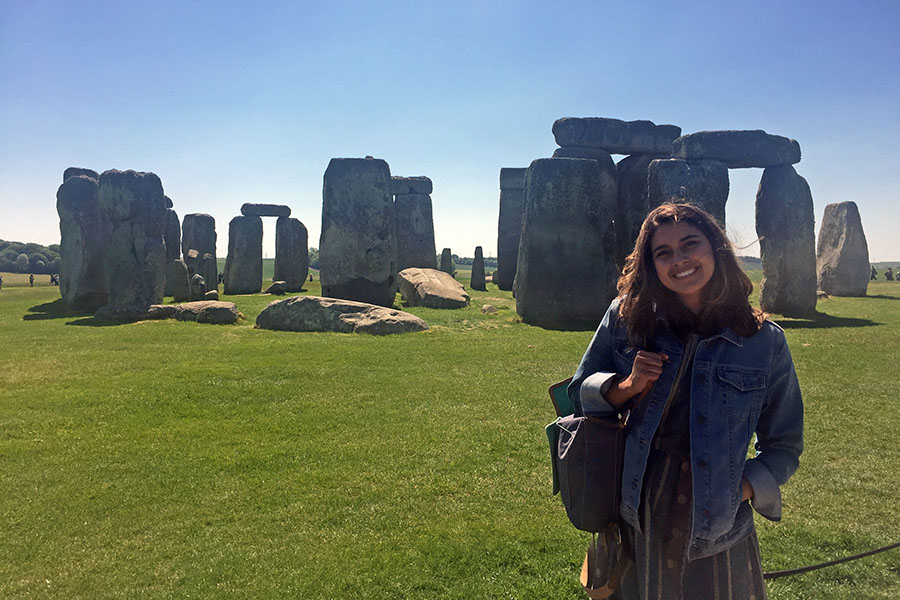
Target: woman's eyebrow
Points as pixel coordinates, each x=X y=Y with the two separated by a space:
x=689 y=236
x=660 y=247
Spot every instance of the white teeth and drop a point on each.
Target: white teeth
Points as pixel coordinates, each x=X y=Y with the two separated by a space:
x=685 y=273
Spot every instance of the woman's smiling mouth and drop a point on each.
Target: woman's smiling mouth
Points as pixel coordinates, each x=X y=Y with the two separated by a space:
x=685 y=273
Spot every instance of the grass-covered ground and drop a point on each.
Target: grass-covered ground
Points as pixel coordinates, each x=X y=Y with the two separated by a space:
x=179 y=460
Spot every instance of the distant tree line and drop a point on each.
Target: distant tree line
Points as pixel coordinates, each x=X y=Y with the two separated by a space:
x=19 y=257
x=489 y=261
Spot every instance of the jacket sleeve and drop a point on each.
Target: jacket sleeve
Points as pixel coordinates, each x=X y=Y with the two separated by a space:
x=596 y=372
x=779 y=433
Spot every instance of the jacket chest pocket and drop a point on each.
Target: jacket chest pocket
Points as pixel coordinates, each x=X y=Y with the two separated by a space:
x=743 y=391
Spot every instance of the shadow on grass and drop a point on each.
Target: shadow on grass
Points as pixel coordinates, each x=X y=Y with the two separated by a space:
x=90 y=321
x=824 y=321
x=53 y=310
x=882 y=297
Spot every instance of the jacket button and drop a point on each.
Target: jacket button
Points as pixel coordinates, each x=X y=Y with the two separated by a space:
x=701 y=463
x=701 y=419
x=705 y=513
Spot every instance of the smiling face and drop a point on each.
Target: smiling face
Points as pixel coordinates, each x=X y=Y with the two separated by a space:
x=684 y=261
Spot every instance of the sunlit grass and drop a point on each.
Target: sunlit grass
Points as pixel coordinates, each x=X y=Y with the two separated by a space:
x=172 y=459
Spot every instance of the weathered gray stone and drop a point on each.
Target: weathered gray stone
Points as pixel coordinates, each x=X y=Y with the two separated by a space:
x=76 y=171
x=312 y=313
x=415 y=231
x=489 y=309
x=211 y=295
x=576 y=152
x=198 y=287
x=136 y=258
x=431 y=288
x=84 y=240
x=615 y=136
x=476 y=282
x=172 y=236
x=703 y=183
x=842 y=255
x=738 y=149
x=210 y=267
x=250 y=209
x=291 y=253
x=509 y=225
x=243 y=265
x=358 y=243
x=512 y=178
x=169 y=203
x=177 y=276
x=633 y=202
x=786 y=224
x=198 y=232
x=411 y=185
x=447 y=265
x=278 y=288
x=202 y=311
x=566 y=273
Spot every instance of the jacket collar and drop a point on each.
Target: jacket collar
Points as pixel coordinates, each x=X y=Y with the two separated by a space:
x=731 y=336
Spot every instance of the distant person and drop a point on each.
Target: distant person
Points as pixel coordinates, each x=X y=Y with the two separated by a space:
x=1 y=281
x=874 y=275
x=889 y=274
x=31 y=280
x=221 y=277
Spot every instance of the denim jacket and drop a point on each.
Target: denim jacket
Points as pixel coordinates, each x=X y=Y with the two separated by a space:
x=739 y=386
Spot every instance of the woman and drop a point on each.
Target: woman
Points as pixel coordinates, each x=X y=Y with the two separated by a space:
x=708 y=372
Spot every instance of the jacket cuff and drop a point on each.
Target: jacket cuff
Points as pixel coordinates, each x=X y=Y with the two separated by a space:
x=593 y=391
x=766 y=493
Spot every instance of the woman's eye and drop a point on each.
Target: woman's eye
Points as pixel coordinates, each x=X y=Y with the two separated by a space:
x=662 y=254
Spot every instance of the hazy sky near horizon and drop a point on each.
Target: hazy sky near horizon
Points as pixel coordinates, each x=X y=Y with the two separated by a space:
x=231 y=104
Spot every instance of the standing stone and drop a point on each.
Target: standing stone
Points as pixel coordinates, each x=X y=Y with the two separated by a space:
x=76 y=171
x=703 y=183
x=172 y=237
x=738 y=149
x=291 y=253
x=198 y=288
x=415 y=231
x=198 y=232
x=633 y=202
x=84 y=239
x=615 y=136
x=509 y=226
x=136 y=260
x=177 y=276
x=842 y=256
x=566 y=273
x=447 y=265
x=786 y=225
x=477 y=280
x=243 y=265
x=358 y=243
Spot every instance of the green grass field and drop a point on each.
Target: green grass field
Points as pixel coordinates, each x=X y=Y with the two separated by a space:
x=179 y=460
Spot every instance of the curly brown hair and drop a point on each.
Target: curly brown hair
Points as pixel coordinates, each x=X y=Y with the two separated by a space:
x=725 y=297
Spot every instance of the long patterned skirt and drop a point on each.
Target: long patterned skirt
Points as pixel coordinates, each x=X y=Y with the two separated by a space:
x=660 y=570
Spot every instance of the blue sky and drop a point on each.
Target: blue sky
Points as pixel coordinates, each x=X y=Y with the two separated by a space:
x=231 y=104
